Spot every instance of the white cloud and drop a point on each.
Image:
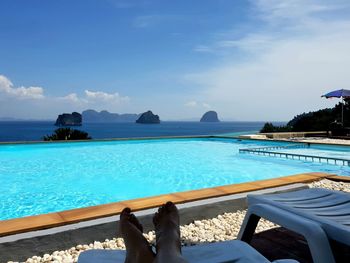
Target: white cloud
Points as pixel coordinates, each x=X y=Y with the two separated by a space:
x=7 y=87
x=35 y=104
x=72 y=97
x=94 y=97
x=206 y=105
x=283 y=72
x=191 y=103
x=104 y=96
x=280 y=11
x=195 y=104
x=280 y=20
x=28 y=93
x=250 y=43
x=5 y=84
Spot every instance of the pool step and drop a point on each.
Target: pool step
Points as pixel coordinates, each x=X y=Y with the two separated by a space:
x=268 y=151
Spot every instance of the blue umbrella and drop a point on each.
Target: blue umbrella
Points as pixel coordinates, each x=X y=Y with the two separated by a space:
x=341 y=93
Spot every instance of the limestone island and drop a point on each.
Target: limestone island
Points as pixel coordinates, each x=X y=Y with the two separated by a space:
x=67 y=119
x=148 y=118
x=92 y=116
x=210 y=116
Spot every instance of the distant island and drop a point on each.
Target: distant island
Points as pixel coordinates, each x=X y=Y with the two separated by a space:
x=92 y=116
x=210 y=116
x=148 y=118
x=67 y=119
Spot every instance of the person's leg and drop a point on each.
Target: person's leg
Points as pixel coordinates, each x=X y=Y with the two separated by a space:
x=137 y=247
x=167 y=226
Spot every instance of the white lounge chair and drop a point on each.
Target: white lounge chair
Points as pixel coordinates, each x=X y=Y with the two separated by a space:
x=228 y=251
x=317 y=214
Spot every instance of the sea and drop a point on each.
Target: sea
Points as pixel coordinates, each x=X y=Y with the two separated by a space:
x=14 y=131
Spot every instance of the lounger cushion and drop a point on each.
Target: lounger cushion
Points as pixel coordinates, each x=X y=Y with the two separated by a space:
x=331 y=209
x=228 y=251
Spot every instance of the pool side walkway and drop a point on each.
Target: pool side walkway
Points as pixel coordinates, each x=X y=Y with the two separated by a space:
x=293 y=138
x=45 y=221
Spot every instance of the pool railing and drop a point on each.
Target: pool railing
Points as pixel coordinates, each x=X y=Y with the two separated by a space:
x=267 y=151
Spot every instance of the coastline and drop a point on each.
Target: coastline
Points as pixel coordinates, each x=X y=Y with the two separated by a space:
x=34 y=131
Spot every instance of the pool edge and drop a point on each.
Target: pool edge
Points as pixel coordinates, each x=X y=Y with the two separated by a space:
x=116 y=139
x=45 y=221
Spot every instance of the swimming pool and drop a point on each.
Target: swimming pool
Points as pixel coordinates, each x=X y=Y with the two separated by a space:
x=49 y=177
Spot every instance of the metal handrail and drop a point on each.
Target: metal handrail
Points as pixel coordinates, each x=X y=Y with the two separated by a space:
x=301 y=145
x=293 y=156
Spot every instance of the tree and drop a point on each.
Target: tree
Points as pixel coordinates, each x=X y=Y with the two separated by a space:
x=269 y=127
x=66 y=134
x=321 y=120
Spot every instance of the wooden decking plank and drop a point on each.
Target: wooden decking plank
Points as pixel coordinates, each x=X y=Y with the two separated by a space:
x=200 y=194
x=300 y=178
x=151 y=202
x=92 y=212
x=24 y=224
x=271 y=183
x=238 y=188
x=319 y=174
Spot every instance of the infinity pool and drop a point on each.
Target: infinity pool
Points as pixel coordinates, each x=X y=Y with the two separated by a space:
x=42 y=178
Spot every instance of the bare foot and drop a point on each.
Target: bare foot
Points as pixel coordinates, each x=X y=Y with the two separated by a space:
x=137 y=247
x=167 y=226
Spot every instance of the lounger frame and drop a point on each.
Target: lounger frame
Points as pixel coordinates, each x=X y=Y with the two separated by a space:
x=317 y=214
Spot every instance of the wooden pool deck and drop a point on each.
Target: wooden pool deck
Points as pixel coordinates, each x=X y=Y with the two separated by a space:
x=45 y=221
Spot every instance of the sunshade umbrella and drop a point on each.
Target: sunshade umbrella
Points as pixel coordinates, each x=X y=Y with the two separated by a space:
x=341 y=93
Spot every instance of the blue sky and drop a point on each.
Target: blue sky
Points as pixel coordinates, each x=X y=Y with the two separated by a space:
x=248 y=60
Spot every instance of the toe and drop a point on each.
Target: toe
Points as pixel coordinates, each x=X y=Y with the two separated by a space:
x=126 y=210
x=125 y=214
x=170 y=206
x=163 y=209
x=156 y=218
x=133 y=219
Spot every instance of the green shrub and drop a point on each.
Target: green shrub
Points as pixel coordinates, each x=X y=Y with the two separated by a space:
x=313 y=121
x=269 y=127
x=66 y=134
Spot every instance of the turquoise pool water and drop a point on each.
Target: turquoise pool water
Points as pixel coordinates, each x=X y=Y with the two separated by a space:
x=42 y=178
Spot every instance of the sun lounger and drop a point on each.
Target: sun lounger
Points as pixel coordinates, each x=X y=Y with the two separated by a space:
x=227 y=251
x=317 y=214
